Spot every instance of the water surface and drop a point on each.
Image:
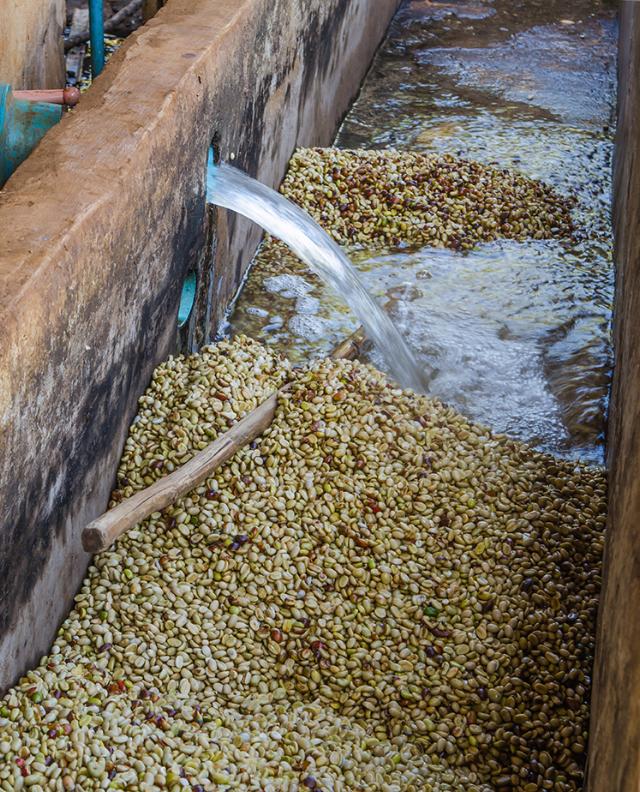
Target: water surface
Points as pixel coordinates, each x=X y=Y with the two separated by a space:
x=515 y=335
x=231 y=188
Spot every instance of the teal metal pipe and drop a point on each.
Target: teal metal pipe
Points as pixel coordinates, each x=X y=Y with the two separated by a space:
x=187 y=299
x=96 y=31
x=22 y=125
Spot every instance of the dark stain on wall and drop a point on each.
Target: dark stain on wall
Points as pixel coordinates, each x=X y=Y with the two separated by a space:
x=113 y=281
x=62 y=466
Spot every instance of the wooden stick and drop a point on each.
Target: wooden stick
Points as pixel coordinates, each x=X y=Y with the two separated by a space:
x=101 y=533
x=352 y=347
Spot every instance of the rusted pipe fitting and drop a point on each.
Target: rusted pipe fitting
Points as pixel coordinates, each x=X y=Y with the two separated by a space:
x=68 y=96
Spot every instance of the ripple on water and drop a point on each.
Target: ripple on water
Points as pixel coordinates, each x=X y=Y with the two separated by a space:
x=515 y=335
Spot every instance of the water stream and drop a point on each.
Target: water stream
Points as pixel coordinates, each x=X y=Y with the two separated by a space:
x=232 y=189
x=515 y=335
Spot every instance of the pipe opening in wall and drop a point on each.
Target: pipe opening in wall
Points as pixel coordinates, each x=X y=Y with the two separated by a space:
x=213 y=159
x=187 y=299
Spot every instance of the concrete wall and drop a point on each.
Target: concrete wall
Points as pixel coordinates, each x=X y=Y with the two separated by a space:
x=614 y=750
x=97 y=230
x=31 y=53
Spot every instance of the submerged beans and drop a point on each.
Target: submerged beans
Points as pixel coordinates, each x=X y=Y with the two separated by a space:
x=376 y=594
x=384 y=198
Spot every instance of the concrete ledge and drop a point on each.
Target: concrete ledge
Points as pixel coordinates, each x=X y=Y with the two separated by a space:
x=614 y=756
x=98 y=229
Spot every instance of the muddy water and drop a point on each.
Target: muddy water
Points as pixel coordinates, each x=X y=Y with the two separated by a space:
x=515 y=335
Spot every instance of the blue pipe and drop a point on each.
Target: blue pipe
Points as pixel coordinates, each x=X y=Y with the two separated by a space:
x=96 y=30
x=187 y=299
x=22 y=125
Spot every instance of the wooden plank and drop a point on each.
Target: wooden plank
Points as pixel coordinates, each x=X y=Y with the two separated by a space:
x=614 y=737
x=102 y=532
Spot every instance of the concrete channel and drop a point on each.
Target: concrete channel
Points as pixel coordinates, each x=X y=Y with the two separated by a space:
x=102 y=224
x=99 y=229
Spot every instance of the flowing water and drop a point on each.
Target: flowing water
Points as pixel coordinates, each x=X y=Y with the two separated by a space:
x=514 y=334
x=232 y=189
